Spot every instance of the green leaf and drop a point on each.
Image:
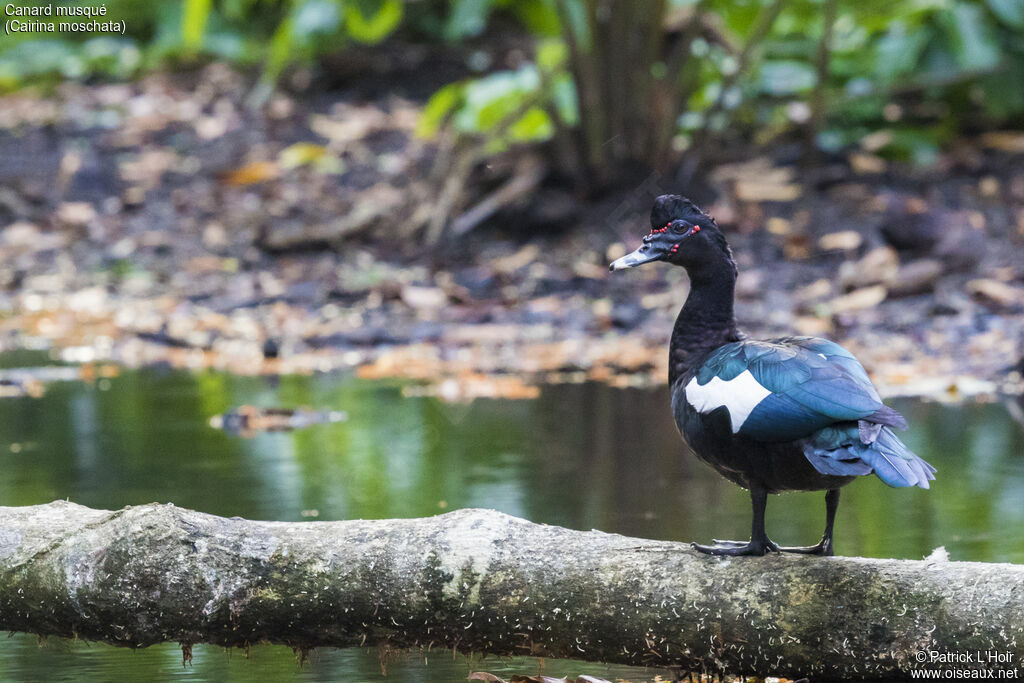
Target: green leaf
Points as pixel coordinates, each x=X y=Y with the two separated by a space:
x=369 y=26
x=551 y=54
x=534 y=126
x=237 y=9
x=9 y=77
x=1002 y=102
x=41 y=56
x=899 y=50
x=918 y=145
x=195 y=14
x=315 y=17
x=975 y=47
x=468 y=18
x=437 y=108
x=482 y=119
x=1010 y=12
x=786 y=77
x=226 y=45
x=279 y=51
x=738 y=17
x=491 y=99
x=577 y=16
x=566 y=102
x=111 y=55
x=540 y=17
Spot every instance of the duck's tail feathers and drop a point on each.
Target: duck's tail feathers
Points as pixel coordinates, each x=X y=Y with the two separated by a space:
x=887 y=416
x=859 y=449
x=894 y=463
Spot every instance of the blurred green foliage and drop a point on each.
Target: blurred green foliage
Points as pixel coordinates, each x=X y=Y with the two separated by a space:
x=508 y=106
x=271 y=33
x=923 y=69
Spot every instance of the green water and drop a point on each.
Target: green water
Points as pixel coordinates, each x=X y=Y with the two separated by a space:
x=581 y=456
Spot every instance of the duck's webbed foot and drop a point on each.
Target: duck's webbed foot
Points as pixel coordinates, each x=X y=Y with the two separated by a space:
x=822 y=547
x=756 y=547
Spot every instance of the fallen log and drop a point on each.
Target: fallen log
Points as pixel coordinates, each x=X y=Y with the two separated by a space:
x=482 y=581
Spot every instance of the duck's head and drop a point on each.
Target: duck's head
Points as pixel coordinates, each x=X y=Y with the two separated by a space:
x=681 y=234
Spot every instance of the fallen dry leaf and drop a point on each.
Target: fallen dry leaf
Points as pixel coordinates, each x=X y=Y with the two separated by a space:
x=873 y=142
x=866 y=164
x=779 y=226
x=756 y=191
x=844 y=240
x=484 y=676
x=916 y=277
x=759 y=180
x=468 y=387
x=819 y=289
x=310 y=154
x=812 y=326
x=878 y=266
x=75 y=213
x=988 y=186
x=1004 y=141
x=996 y=292
x=509 y=264
x=796 y=247
x=420 y=297
x=300 y=154
x=250 y=174
x=858 y=299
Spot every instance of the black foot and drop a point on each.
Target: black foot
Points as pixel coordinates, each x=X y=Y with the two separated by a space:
x=751 y=547
x=823 y=547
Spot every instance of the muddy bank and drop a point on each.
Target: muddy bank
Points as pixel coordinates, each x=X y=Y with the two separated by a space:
x=164 y=221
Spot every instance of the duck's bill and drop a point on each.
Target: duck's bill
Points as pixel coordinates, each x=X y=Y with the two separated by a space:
x=644 y=254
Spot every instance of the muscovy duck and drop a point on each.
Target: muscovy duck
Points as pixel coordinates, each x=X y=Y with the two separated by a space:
x=789 y=414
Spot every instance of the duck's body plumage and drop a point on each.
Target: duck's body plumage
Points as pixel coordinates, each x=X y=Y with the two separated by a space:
x=788 y=414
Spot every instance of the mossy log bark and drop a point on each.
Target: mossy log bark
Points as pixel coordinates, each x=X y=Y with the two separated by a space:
x=478 y=580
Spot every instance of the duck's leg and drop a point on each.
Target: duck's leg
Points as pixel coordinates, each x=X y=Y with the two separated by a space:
x=824 y=546
x=759 y=542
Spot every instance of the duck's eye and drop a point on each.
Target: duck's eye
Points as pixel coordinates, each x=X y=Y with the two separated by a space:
x=680 y=227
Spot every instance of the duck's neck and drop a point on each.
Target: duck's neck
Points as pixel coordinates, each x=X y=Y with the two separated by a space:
x=706 y=321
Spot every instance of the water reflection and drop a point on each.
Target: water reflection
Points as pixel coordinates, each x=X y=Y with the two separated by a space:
x=581 y=456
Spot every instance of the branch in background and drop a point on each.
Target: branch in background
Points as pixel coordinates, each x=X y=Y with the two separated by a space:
x=762 y=27
x=528 y=175
x=482 y=581
x=818 y=105
x=593 y=123
x=630 y=35
x=648 y=43
x=566 y=139
x=453 y=188
x=765 y=21
x=675 y=95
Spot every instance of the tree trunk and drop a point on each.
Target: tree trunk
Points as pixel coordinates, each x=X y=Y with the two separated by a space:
x=613 y=47
x=482 y=581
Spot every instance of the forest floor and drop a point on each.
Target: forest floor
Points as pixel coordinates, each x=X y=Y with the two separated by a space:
x=165 y=221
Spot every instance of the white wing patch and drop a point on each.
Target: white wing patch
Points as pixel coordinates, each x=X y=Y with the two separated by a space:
x=740 y=396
